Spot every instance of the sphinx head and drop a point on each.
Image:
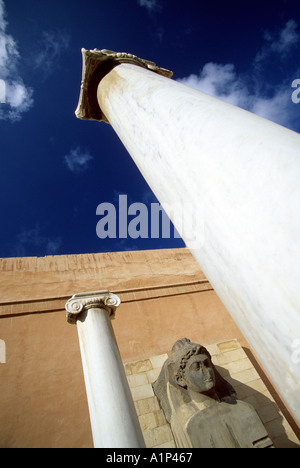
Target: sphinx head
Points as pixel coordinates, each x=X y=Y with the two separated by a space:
x=195 y=370
x=189 y=367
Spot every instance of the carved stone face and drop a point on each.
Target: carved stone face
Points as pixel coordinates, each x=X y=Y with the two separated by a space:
x=199 y=375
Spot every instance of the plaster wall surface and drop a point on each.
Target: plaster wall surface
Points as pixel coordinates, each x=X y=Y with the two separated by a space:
x=164 y=297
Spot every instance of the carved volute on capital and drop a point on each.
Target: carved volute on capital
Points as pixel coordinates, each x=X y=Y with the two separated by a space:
x=90 y=300
x=97 y=64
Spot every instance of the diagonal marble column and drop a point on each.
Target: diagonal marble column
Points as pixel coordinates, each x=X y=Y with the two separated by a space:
x=239 y=171
x=113 y=417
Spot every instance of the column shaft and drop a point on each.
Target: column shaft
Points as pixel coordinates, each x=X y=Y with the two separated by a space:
x=241 y=172
x=113 y=417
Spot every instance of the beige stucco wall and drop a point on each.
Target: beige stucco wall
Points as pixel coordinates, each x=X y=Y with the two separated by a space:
x=164 y=295
x=234 y=365
x=57 y=276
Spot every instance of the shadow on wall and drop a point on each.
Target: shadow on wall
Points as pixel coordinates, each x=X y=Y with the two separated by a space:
x=261 y=399
x=192 y=381
x=234 y=364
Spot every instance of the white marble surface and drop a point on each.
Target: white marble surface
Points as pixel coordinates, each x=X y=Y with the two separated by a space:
x=242 y=173
x=113 y=416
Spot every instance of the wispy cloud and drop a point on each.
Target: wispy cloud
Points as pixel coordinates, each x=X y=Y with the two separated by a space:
x=49 y=50
x=18 y=97
x=279 y=44
x=78 y=160
x=150 y=5
x=251 y=91
x=30 y=241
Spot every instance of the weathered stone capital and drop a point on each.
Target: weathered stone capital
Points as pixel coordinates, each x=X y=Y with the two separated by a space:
x=98 y=299
x=97 y=64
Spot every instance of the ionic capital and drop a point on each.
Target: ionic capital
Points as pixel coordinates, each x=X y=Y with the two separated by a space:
x=97 y=64
x=83 y=301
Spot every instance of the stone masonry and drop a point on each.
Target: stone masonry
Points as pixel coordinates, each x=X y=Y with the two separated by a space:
x=235 y=366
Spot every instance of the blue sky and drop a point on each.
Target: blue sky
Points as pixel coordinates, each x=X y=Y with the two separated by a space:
x=55 y=169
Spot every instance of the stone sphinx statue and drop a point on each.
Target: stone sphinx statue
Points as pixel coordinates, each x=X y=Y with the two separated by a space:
x=201 y=406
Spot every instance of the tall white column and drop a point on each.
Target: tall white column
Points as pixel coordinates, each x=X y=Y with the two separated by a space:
x=241 y=172
x=113 y=417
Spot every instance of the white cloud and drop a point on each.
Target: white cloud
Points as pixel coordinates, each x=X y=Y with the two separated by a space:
x=219 y=80
x=30 y=241
x=276 y=108
x=288 y=37
x=49 y=50
x=78 y=160
x=224 y=82
x=280 y=44
x=18 y=97
x=151 y=5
